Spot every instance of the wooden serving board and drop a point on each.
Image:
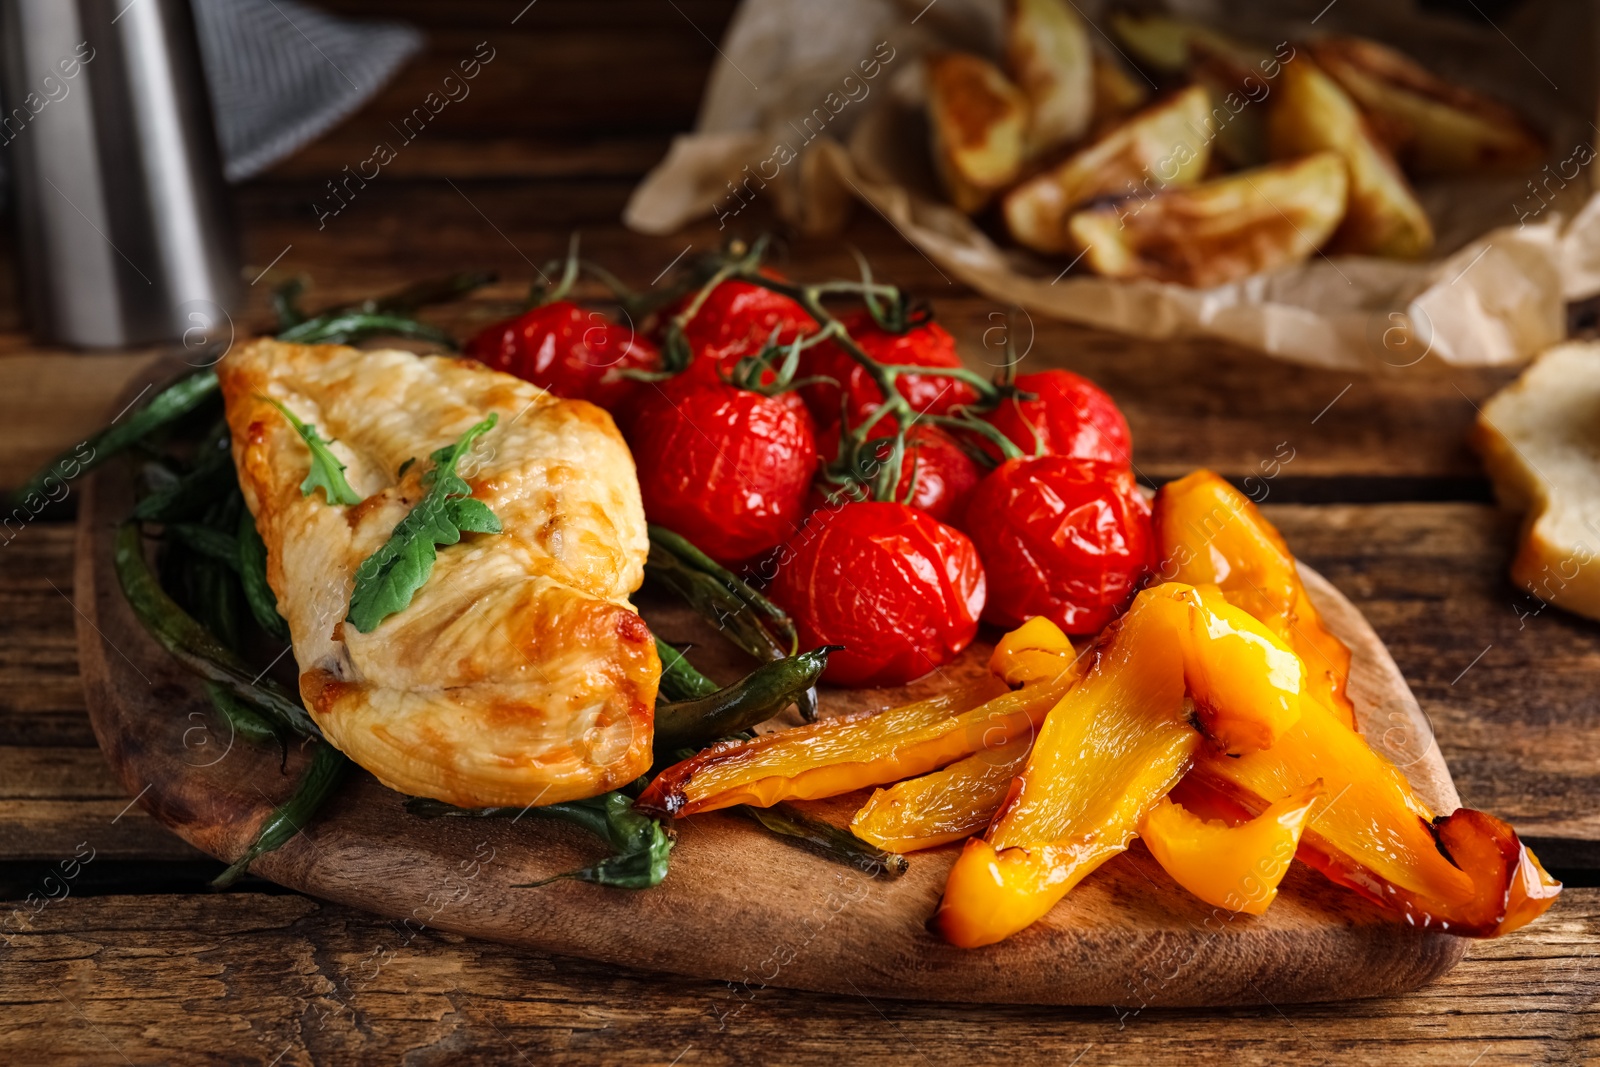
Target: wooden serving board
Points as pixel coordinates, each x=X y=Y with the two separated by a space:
x=739 y=904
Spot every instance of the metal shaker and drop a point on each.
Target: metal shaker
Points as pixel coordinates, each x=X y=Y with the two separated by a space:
x=124 y=223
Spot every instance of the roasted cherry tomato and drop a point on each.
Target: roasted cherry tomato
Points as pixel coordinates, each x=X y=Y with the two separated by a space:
x=928 y=345
x=945 y=474
x=1072 y=417
x=571 y=351
x=725 y=467
x=739 y=317
x=1065 y=538
x=900 y=591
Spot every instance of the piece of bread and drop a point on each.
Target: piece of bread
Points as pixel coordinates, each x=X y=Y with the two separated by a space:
x=1540 y=440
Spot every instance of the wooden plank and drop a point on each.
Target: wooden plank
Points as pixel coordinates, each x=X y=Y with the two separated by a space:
x=41 y=698
x=54 y=801
x=291 y=981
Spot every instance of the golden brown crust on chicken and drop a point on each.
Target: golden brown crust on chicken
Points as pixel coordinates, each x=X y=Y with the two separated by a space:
x=519 y=673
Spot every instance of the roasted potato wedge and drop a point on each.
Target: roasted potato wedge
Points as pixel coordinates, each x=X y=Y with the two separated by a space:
x=978 y=122
x=1173 y=46
x=1432 y=125
x=1310 y=113
x=1165 y=145
x=1219 y=231
x=1117 y=93
x=1048 y=55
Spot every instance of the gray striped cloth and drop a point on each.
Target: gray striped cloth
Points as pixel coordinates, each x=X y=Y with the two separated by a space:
x=281 y=73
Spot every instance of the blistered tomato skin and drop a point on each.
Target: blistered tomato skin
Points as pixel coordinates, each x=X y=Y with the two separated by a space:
x=571 y=351
x=945 y=475
x=727 y=468
x=737 y=318
x=901 y=591
x=928 y=345
x=1071 y=417
x=1064 y=538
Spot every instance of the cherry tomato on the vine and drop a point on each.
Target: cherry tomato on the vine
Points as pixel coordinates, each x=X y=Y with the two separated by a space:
x=928 y=345
x=725 y=467
x=571 y=351
x=1072 y=417
x=1065 y=538
x=945 y=475
x=739 y=317
x=900 y=591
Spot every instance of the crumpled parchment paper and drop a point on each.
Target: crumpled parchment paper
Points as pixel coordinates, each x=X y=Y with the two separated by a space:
x=816 y=104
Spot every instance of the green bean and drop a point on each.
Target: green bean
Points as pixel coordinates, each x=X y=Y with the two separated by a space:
x=679 y=679
x=754 y=699
x=192 y=644
x=263 y=602
x=243 y=718
x=749 y=619
x=206 y=542
x=346 y=326
x=166 y=407
x=642 y=845
x=327 y=770
x=193 y=492
x=834 y=842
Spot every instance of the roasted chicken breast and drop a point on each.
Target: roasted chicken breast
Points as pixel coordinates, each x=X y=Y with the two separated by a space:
x=519 y=673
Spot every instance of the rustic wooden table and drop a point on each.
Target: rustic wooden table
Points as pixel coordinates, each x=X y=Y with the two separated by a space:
x=140 y=963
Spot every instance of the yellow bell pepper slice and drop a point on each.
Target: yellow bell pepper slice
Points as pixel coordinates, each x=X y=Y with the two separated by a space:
x=1036 y=651
x=944 y=806
x=1115 y=745
x=835 y=756
x=1208 y=533
x=1467 y=873
x=1234 y=867
x=958 y=801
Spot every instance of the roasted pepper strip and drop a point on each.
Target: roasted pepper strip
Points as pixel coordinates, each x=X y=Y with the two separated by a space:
x=836 y=756
x=961 y=799
x=1208 y=533
x=1234 y=867
x=1115 y=745
x=944 y=806
x=1466 y=873
x=1036 y=651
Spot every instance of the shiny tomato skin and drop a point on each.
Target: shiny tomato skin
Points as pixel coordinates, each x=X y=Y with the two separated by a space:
x=928 y=345
x=738 y=317
x=945 y=474
x=727 y=468
x=899 y=589
x=1065 y=538
x=571 y=351
x=1072 y=416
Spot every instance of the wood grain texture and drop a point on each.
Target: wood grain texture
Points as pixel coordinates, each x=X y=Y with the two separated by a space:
x=741 y=905
x=248 y=979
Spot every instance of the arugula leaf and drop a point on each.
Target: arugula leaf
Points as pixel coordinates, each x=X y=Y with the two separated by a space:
x=326 y=473
x=388 y=579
